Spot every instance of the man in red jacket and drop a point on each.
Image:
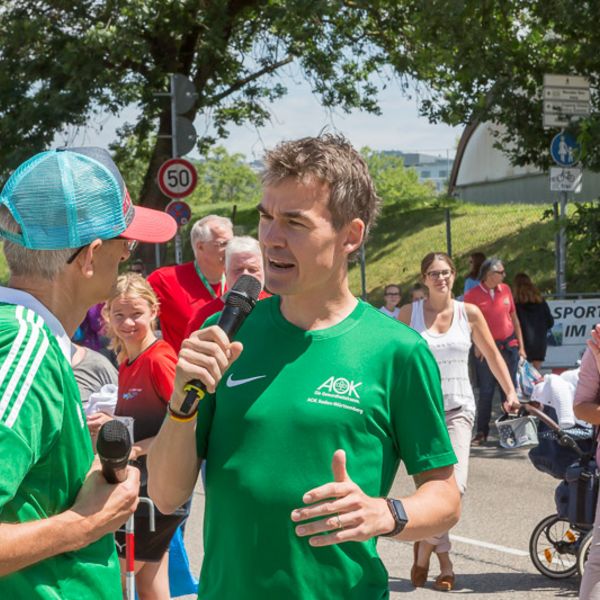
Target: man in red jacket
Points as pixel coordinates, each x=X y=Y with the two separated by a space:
x=183 y=289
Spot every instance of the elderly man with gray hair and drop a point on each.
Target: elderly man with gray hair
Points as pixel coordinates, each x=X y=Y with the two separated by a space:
x=183 y=289
x=67 y=222
x=495 y=300
x=242 y=257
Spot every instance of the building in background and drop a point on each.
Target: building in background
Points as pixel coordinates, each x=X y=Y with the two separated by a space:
x=436 y=169
x=483 y=173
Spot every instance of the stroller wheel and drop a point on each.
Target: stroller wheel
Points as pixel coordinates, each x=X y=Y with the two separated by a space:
x=584 y=550
x=554 y=546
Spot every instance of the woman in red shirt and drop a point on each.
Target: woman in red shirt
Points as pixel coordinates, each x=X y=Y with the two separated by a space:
x=494 y=299
x=146 y=377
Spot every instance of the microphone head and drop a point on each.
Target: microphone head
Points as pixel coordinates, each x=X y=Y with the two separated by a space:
x=244 y=293
x=114 y=441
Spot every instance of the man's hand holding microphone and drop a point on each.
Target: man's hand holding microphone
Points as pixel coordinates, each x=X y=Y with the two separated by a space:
x=203 y=359
x=109 y=495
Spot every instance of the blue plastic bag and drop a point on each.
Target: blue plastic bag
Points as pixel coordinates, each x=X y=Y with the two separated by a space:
x=527 y=378
x=181 y=580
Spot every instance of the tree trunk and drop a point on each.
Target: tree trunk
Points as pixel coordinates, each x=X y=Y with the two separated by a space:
x=150 y=195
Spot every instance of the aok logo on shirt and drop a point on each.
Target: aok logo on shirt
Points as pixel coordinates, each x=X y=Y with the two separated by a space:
x=339 y=388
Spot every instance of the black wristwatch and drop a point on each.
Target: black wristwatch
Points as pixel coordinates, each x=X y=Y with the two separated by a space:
x=399 y=515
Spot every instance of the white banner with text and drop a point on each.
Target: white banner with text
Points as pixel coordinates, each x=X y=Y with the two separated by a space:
x=573 y=321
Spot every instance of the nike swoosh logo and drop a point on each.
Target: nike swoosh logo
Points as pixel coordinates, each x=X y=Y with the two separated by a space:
x=231 y=382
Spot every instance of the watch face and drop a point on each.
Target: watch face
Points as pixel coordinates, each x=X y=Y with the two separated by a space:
x=400 y=512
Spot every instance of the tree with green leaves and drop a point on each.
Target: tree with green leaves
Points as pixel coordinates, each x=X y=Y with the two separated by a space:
x=395 y=183
x=61 y=62
x=484 y=60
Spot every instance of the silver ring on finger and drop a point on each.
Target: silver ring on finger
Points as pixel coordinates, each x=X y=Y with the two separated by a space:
x=339 y=522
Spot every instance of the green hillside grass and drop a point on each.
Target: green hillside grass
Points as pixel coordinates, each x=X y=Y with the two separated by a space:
x=514 y=232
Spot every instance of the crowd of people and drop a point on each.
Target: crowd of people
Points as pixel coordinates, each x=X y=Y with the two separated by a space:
x=300 y=433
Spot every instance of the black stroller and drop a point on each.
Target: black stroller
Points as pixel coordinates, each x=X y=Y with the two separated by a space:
x=559 y=543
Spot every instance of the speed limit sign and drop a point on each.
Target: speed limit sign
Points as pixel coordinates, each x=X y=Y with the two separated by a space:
x=177 y=178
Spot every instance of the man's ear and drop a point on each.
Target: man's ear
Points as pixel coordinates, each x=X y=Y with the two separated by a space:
x=85 y=260
x=354 y=235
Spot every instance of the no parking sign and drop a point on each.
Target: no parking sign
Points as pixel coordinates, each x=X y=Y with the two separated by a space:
x=180 y=211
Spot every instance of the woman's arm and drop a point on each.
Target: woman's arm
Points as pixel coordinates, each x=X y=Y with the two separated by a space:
x=405 y=314
x=141 y=447
x=549 y=317
x=518 y=333
x=585 y=403
x=482 y=338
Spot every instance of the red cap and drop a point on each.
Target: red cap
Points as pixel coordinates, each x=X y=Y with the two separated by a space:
x=147 y=225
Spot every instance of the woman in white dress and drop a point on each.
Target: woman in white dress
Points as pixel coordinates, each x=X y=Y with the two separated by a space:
x=450 y=327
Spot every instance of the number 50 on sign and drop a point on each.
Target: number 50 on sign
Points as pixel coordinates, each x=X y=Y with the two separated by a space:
x=177 y=178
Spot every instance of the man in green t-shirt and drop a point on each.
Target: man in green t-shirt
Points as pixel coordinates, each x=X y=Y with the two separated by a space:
x=67 y=222
x=311 y=410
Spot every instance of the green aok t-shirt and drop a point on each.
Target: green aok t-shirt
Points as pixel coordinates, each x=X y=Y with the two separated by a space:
x=368 y=385
x=45 y=454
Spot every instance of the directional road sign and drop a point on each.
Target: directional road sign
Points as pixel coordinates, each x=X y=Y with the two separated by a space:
x=565 y=149
x=177 y=178
x=566 y=99
x=565 y=180
x=180 y=211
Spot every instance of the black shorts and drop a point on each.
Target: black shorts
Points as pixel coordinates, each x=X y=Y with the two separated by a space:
x=151 y=546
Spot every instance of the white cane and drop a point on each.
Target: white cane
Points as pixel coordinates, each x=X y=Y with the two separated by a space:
x=130 y=548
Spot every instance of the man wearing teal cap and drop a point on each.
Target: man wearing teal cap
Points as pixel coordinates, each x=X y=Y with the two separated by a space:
x=67 y=222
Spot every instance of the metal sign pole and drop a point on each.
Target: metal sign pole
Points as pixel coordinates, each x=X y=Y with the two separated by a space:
x=178 y=244
x=178 y=247
x=562 y=272
x=173 y=119
x=556 y=249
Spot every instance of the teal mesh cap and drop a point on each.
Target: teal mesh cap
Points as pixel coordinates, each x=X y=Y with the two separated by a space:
x=68 y=198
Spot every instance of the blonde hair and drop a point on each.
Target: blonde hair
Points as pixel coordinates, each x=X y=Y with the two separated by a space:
x=130 y=285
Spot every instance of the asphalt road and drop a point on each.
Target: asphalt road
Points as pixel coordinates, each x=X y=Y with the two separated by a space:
x=505 y=499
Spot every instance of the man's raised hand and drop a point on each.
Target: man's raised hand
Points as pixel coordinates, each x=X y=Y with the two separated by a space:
x=347 y=513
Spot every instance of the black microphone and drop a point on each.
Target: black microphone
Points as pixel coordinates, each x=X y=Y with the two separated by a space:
x=114 y=447
x=240 y=301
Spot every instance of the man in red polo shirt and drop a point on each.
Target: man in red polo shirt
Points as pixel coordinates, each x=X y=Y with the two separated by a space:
x=183 y=289
x=495 y=301
x=242 y=257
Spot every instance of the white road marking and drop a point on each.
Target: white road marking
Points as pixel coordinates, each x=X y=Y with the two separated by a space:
x=497 y=547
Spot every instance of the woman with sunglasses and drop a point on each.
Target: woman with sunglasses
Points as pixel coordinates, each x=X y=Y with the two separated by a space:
x=450 y=327
x=495 y=300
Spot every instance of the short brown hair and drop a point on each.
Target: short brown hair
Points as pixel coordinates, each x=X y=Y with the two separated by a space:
x=429 y=258
x=333 y=160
